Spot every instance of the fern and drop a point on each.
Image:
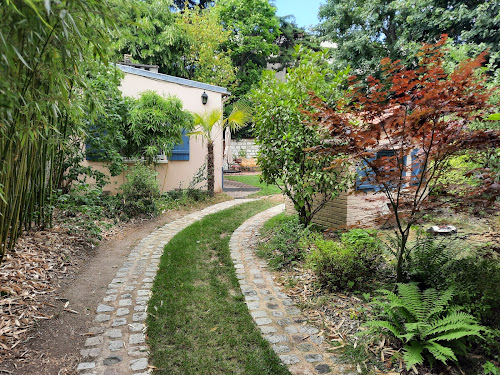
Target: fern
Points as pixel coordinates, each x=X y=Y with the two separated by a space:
x=426 y=324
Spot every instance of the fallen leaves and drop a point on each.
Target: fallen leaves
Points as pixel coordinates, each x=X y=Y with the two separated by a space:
x=28 y=275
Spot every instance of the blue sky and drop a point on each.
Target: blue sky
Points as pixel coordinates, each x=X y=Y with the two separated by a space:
x=305 y=11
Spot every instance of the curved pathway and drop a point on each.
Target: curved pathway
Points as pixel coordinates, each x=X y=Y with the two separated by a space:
x=300 y=346
x=116 y=344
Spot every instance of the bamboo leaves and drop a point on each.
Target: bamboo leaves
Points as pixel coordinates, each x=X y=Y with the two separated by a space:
x=43 y=46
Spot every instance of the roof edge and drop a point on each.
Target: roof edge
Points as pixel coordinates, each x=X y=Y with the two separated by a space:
x=172 y=79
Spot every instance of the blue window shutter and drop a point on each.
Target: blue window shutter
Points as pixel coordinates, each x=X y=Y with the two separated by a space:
x=361 y=173
x=91 y=153
x=416 y=168
x=181 y=151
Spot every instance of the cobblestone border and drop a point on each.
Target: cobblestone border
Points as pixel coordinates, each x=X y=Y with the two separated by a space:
x=116 y=344
x=300 y=346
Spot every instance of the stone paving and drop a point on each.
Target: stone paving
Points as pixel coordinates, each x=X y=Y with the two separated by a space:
x=116 y=344
x=299 y=345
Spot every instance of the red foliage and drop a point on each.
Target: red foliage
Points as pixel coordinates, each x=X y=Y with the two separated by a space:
x=425 y=110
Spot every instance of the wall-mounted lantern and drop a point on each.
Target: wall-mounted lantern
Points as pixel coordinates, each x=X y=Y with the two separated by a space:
x=204 y=98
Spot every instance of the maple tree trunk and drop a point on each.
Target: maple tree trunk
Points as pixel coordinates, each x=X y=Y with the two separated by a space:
x=210 y=169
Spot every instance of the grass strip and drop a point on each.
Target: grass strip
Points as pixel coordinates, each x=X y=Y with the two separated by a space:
x=254 y=180
x=197 y=320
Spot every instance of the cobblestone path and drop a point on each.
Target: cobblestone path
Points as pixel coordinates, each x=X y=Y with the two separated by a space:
x=116 y=344
x=299 y=345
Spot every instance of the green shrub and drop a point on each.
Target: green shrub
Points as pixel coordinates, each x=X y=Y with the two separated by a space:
x=285 y=247
x=346 y=264
x=83 y=210
x=196 y=195
x=140 y=191
x=426 y=323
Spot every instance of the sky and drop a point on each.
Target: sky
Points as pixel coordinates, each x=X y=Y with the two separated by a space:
x=305 y=11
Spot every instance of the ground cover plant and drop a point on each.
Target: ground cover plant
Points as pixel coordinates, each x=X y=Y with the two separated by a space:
x=255 y=180
x=197 y=320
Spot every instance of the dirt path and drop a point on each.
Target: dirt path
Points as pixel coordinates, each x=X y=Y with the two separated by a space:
x=54 y=346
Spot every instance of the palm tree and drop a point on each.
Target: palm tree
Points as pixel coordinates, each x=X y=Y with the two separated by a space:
x=210 y=125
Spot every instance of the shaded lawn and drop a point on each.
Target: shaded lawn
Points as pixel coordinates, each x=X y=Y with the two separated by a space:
x=197 y=320
x=254 y=180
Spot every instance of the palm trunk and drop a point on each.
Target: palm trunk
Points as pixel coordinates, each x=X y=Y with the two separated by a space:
x=210 y=169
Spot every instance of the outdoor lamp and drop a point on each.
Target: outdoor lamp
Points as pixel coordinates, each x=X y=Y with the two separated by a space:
x=204 y=98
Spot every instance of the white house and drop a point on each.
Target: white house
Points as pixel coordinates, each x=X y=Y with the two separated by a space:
x=187 y=158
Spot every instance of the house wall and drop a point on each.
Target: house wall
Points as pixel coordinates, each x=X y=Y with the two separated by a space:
x=175 y=174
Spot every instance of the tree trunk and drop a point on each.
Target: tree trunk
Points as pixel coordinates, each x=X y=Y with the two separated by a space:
x=210 y=169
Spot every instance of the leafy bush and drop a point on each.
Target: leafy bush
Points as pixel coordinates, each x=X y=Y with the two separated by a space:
x=475 y=279
x=83 y=210
x=286 y=244
x=428 y=325
x=196 y=195
x=348 y=263
x=140 y=191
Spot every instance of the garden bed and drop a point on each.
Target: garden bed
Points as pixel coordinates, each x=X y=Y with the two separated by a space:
x=340 y=314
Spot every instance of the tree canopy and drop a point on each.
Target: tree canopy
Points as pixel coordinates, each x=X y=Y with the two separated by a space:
x=148 y=32
x=204 y=59
x=254 y=27
x=367 y=31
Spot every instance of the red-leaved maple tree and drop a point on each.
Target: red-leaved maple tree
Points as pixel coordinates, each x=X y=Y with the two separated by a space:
x=402 y=129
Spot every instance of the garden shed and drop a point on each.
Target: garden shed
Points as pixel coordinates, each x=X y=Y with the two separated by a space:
x=362 y=205
x=187 y=158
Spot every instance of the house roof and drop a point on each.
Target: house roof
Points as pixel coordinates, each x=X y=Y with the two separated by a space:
x=172 y=79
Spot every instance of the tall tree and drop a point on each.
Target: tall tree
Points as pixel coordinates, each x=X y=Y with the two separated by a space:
x=290 y=36
x=205 y=60
x=283 y=131
x=191 y=4
x=369 y=30
x=254 y=27
x=148 y=32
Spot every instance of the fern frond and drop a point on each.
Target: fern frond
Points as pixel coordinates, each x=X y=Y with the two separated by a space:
x=412 y=300
x=440 y=352
x=437 y=302
x=417 y=328
x=452 y=327
x=383 y=324
x=452 y=321
x=458 y=334
x=413 y=354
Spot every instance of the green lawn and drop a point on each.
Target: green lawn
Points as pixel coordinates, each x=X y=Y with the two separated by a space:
x=254 y=180
x=197 y=321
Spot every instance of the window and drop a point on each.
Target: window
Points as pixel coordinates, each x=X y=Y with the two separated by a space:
x=181 y=151
x=366 y=183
